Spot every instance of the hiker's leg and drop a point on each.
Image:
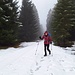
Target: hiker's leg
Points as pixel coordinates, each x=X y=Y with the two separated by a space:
x=45 y=49
x=48 y=49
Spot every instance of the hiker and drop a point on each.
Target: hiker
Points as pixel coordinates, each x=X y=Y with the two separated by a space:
x=47 y=41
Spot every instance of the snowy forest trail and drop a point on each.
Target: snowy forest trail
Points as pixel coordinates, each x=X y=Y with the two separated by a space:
x=29 y=60
x=58 y=63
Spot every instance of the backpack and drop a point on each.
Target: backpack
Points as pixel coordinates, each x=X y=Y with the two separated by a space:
x=49 y=34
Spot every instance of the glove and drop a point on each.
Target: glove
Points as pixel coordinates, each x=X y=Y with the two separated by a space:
x=50 y=42
x=40 y=37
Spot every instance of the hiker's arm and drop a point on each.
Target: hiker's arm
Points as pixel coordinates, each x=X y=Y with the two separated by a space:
x=41 y=37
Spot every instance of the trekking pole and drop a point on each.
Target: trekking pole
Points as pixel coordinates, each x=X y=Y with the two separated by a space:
x=51 y=46
x=51 y=49
x=37 y=47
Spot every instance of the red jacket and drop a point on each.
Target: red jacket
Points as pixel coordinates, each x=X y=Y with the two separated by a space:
x=47 y=38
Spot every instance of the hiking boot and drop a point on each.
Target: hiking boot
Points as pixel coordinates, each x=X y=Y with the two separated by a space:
x=50 y=52
x=45 y=55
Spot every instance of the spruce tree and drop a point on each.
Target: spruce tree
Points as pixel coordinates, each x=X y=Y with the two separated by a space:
x=63 y=22
x=8 y=22
x=72 y=21
x=30 y=22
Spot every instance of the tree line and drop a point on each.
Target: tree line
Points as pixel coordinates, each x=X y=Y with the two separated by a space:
x=18 y=25
x=61 y=23
x=23 y=25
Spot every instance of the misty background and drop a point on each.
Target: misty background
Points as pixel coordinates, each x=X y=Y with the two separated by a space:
x=43 y=7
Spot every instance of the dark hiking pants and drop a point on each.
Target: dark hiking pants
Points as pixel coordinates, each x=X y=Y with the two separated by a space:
x=46 y=46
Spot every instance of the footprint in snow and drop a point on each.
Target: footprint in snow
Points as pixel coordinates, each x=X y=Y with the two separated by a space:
x=51 y=73
x=61 y=60
x=38 y=68
x=72 y=69
x=41 y=60
x=31 y=72
x=36 y=63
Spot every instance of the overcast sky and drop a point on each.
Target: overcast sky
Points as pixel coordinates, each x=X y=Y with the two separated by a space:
x=43 y=6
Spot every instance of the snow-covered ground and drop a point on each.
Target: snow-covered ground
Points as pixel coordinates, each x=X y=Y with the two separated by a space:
x=28 y=59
